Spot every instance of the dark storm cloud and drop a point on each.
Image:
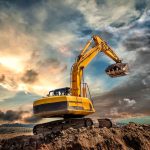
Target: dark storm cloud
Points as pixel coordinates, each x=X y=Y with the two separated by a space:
x=21 y=4
x=117 y=24
x=140 y=5
x=30 y=76
x=12 y=116
x=32 y=119
x=138 y=40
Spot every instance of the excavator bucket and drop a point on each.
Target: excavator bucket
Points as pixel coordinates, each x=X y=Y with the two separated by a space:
x=118 y=69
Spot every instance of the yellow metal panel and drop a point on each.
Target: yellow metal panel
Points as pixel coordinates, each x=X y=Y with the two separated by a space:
x=72 y=106
x=53 y=99
x=80 y=112
x=75 y=104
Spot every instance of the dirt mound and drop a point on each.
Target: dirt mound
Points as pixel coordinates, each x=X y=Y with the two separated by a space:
x=129 y=137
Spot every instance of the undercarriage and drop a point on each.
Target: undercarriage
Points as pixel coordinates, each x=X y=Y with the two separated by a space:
x=59 y=125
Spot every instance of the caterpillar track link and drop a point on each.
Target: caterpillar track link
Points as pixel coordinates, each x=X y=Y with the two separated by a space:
x=59 y=125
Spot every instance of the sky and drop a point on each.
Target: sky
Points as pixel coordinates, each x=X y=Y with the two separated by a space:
x=39 y=41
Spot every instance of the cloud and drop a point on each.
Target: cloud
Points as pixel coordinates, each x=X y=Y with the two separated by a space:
x=94 y=87
x=2 y=78
x=30 y=76
x=32 y=119
x=118 y=13
x=130 y=102
x=10 y=115
x=18 y=116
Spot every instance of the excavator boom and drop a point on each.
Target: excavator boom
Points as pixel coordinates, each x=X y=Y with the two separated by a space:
x=86 y=56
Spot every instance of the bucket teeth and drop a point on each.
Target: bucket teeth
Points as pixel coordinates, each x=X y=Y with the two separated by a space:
x=118 y=69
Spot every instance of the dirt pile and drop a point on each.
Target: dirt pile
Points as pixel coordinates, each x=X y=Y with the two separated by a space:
x=129 y=137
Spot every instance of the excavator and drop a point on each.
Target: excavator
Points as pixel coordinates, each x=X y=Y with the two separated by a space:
x=72 y=103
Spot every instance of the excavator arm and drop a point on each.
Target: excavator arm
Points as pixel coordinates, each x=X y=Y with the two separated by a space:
x=86 y=56
x=100 y=46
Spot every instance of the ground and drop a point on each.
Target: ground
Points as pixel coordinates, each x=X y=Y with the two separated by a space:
x=128 y=137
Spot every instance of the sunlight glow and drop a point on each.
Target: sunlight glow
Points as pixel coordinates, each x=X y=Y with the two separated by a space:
x=13 y=63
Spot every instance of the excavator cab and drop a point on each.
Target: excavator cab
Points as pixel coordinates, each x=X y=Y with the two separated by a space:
x=118 y=69
x=59 y=92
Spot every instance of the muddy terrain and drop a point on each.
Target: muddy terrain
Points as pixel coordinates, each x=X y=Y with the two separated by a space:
x=129 y=137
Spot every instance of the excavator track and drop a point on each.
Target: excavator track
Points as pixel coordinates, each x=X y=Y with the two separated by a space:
x=59 y=125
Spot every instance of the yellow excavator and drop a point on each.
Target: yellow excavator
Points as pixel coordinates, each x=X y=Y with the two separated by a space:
x=72 y=103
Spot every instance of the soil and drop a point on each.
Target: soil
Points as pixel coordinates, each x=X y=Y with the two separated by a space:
x=129 y=137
